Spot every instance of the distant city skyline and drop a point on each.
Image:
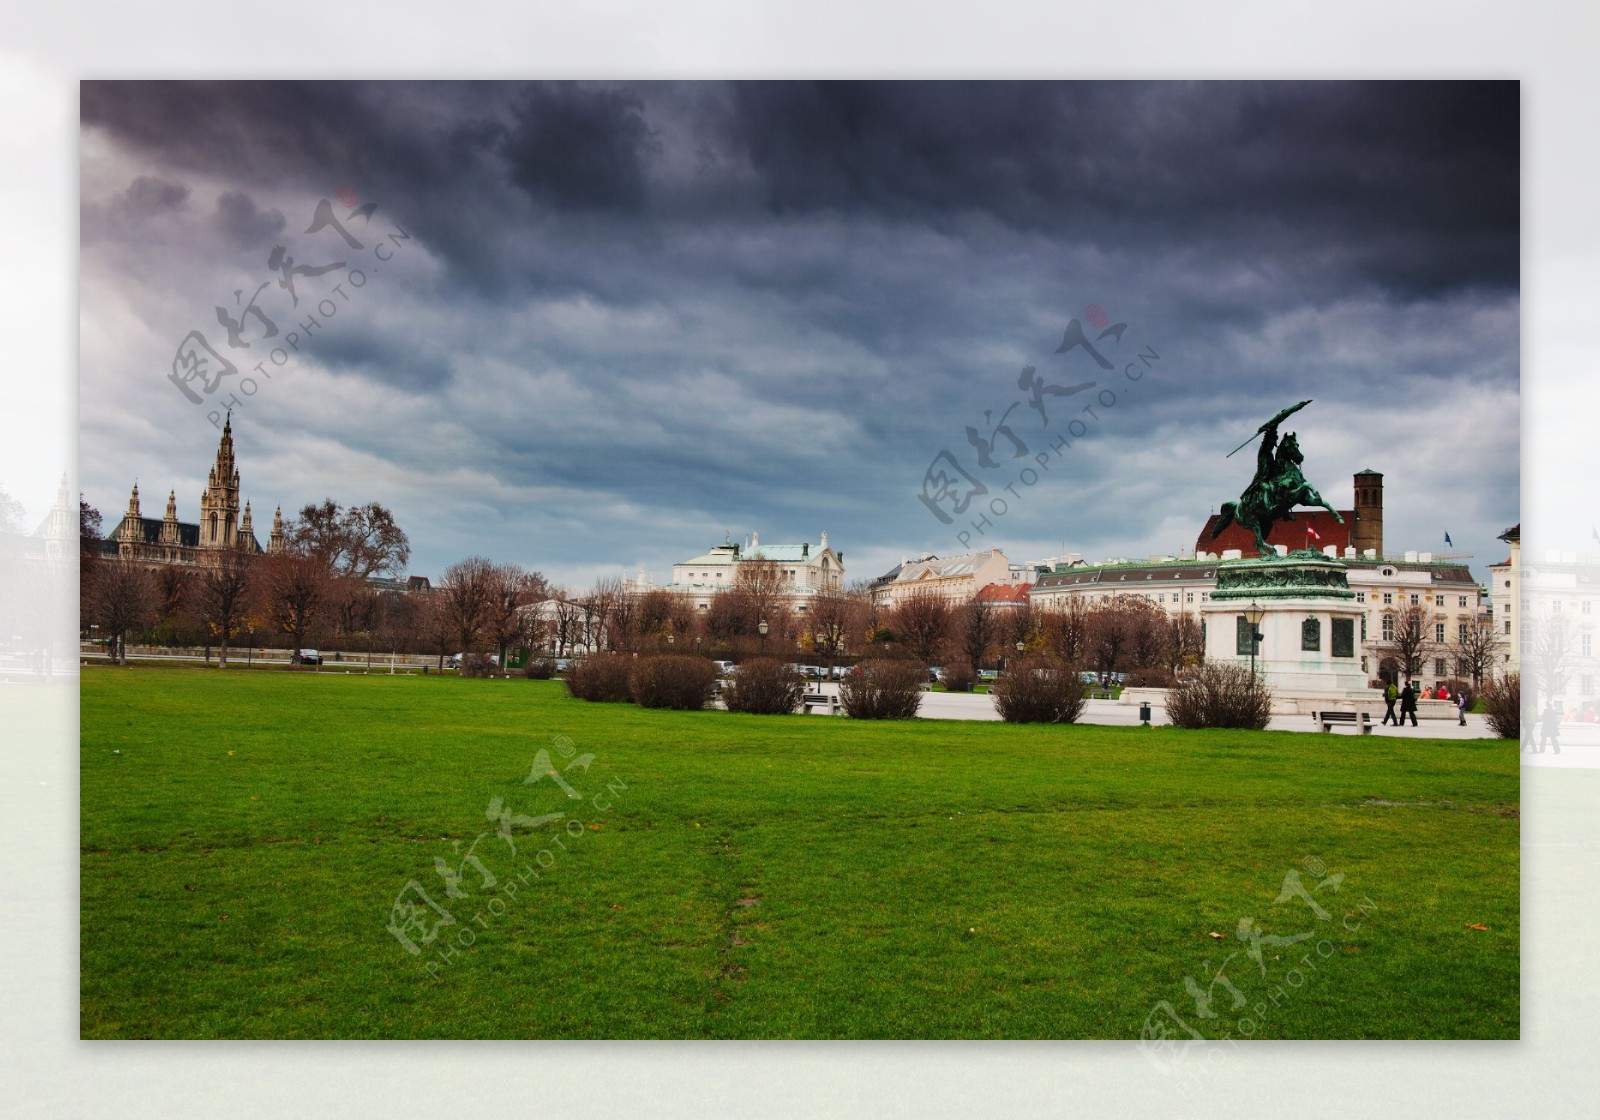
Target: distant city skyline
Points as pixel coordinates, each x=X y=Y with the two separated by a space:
x=596 y=326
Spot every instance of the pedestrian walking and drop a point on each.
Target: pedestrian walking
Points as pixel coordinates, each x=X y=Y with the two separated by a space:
x=1390 y=695
x=1408 y=705
x=1461 y=706
x=1550 y=729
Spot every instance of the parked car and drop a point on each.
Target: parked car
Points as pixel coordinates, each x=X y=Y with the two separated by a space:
x=724 y=668
x=988 y=674
x=310 y=657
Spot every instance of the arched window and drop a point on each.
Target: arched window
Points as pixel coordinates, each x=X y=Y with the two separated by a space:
x=213 y=536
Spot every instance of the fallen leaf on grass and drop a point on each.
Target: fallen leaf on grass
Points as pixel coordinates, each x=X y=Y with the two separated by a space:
x=1477 y=926
x=1218 y=936
x=595 y=827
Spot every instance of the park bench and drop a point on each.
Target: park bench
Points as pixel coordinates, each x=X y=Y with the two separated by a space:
x=1327 y=720
x=818 y=700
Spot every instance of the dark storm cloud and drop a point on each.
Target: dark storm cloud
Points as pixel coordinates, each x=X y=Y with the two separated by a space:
x=580 y=149
x=243 y=224
x=631 y=311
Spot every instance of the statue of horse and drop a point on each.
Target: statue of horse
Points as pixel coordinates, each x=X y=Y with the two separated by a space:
x=1277 y=488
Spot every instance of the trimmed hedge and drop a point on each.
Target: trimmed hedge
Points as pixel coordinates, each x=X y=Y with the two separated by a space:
x=1221 y=694
x=960 y=677
x=600 y=678
x=1038 y=690
x=678 y=681
x=883 y=690
x=765 y=687
x=478 y=665
x=1502 y=704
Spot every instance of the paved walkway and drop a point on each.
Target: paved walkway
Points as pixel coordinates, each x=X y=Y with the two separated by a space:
x=1111 y=713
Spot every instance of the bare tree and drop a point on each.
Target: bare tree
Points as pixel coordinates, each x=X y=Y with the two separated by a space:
x=511 y=587
x=123 y=597
x=1148 y=633
x=1407 y=640
x=1124 y=632
x=294 y=589
x=764 y=584
x=400 y=624
x=624 y=628
x=1548 y=657
x=976 y=627
x=1479 y=650
x=221 y=595
x=833 y=619
x=360 y=541
x=89 y=530
x=922 y=621
x=466 y=593
x=1185 y=645
x=567 y=620
x=1065 y=629
x=654 y=616
x=730 y=617
x=604 y=600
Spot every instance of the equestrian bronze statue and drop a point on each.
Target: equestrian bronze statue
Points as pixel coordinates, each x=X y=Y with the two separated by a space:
x=1276 y=489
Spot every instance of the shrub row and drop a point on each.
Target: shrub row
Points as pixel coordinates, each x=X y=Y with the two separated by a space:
x=959 y=677
x=1502 y=705
x=764 y=687
x=882 y=690
x=1038 y=690
x=680 y=682
x=1220 y=694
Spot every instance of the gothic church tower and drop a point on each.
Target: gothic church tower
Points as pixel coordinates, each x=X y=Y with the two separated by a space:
x=219 y=505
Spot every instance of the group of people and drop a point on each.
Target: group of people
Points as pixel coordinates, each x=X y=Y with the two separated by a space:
x=1408 y=697
x=1543 y=732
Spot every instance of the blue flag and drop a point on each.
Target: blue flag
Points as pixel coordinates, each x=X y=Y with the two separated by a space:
x=1448 y=542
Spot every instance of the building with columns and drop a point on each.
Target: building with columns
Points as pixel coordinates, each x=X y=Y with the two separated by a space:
x=805 y=570
x=223 y=522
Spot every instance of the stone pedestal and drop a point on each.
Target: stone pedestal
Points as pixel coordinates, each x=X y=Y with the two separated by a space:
x=1310 y=647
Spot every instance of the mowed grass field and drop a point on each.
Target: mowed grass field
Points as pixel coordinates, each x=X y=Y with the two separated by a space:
x=246 y=836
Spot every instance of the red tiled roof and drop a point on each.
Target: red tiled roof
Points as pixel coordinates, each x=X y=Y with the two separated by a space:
x=1003 y=593
x=1290 y=534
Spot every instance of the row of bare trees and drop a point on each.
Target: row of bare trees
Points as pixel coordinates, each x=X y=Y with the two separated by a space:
x=317 y=588
x=1120 y=634
x=1475 y=653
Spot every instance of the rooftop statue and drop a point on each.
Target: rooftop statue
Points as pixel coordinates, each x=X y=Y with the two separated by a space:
x=1277 y=487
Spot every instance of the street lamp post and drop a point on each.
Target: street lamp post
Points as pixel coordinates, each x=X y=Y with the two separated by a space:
x=1021 y=648
x=1253 y=615
x=761 y=629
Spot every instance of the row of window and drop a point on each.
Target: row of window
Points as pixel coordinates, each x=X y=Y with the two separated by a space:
x=1438 y=600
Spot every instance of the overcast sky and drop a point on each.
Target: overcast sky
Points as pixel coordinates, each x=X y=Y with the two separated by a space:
x=597 y=326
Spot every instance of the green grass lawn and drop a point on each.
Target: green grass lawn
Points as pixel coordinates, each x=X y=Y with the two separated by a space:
x=767 y=877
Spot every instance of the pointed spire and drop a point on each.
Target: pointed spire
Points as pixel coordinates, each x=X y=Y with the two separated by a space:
x=133 y=501
x=275 y=542
x=169 y=523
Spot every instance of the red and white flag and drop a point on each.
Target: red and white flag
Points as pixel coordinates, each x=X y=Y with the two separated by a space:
x=1313 y=534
